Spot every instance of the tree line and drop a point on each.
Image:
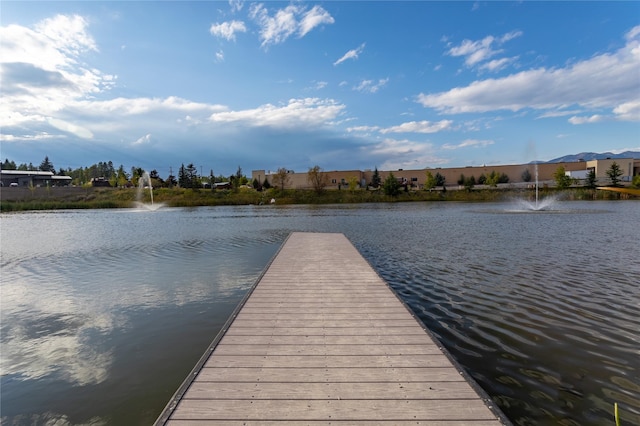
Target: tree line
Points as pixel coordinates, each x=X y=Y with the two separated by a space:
x=188 y=177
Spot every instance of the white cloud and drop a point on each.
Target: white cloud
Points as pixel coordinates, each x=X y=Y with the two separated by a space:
x=236 y=5
x=369 y=86
x=220 y=56
x=144 y=140
x=34 y=137
x=137 y=106
x=559 y=113
x=364 y=129
x=228 y=30
x=42 y=73
x=53 y=46
x=628 y=111
x=296 y=113
x=481 y=50
x=608 y=80
x=321 y=85
x=352 y=54
x=468 y=143
x=67 y=34
x=419 y=127
x=68 y=127
x=497 y=64
x=285 y=22
x=621 y=150
x=403 y=154
x=313 y=18
x=275 y=29
x=582 y=120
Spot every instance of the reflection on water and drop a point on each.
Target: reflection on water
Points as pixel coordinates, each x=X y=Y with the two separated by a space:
x=105 y=312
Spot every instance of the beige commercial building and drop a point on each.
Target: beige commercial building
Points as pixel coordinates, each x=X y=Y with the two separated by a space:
x=340 y=179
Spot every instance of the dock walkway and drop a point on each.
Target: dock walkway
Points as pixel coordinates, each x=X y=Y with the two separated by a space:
x=322 y=339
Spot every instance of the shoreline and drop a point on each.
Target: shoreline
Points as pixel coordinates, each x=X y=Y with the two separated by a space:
x=66 y=198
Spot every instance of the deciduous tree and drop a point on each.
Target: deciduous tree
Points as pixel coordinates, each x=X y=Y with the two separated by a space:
x=353 y=183
x=281 y=178
x=562 y=180
x=492 y=179
x=430 y=181
x=317 y=178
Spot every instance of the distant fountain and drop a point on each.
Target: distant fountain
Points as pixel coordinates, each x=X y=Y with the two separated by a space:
x=536 y=186
x=144 y=182
x=539 y=205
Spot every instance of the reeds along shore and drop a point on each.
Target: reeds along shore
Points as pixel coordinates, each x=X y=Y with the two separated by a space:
x=24 y=199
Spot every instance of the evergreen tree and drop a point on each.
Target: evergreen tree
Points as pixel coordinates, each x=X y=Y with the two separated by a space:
x=469 y=183
x=614 y=173
x=47 y=166
x=526 y=176
x=171 y=181
x=391 y=186
x=191 y=176
x=591 y=179
x=375 y=179
x=8 y=165
x=440 y=180
x=156 y=180
x=236 y=180
x=182 y=177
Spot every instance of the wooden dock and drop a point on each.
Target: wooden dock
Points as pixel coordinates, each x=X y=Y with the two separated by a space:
x=322 y=339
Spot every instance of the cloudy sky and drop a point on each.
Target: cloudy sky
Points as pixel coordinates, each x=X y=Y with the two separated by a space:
x=339 y=84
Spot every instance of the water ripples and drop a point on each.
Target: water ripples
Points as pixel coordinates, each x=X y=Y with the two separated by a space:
x=541 y=308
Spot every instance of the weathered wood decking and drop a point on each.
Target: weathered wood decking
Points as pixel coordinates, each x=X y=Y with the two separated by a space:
x=323 y=340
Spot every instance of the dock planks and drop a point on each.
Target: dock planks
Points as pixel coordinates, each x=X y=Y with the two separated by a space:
x=323 y=340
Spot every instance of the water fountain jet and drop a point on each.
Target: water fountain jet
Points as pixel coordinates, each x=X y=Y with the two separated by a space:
x=140 y=193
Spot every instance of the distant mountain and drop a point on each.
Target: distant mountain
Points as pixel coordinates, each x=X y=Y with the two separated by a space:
x=587 y=156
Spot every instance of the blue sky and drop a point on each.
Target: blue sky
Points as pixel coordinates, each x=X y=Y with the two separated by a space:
x=342 y=85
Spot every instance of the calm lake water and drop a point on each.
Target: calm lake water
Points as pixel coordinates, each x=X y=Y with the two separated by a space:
x=105 y=312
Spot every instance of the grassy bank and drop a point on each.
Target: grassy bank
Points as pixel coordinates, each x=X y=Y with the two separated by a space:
x=22 y=199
